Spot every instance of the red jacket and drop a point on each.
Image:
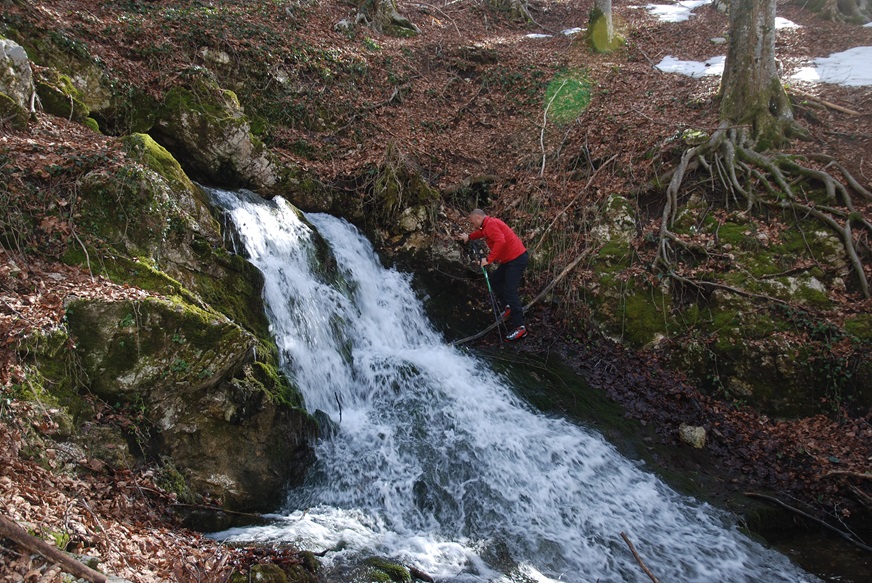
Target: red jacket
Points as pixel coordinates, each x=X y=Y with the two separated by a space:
x=502 y=241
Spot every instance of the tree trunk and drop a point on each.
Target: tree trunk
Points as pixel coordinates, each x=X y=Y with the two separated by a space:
x=382 y=15
x=516 y=9
x=751 y=91
x=601 y=28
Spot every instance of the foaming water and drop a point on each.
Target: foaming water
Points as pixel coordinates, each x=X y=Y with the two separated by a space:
x=437 y=463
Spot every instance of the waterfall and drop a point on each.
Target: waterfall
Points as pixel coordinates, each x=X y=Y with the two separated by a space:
x=437 y=462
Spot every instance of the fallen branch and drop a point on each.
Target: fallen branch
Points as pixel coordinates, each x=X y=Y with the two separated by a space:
x=11 y=530
x=216 y=509
x=862 y=496
x=638 y=558
x=865 y=476
x=826 y=525
x=542 y=294
x=816 y=99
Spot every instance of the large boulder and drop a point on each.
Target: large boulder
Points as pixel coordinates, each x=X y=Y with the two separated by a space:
x=16 y=83
x=206 y=128
x=193 y=375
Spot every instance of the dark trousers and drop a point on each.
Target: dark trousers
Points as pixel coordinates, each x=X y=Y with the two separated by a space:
x=505 y=281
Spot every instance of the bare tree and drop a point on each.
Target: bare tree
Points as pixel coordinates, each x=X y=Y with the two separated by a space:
x=755 y=117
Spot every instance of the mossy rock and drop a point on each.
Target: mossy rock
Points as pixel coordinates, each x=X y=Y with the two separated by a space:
x=208 y=132
x=144 y=149
x=860 y=326
x=389 y=571
x=59 y=97
x=131 y=208
x=16 y=115
x=267 y=573
x=228 y=423
x=132 y=348
x=54 y=377
x=92 y=124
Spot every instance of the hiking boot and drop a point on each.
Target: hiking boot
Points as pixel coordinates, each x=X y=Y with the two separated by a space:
x=506 y=313
x=519 y=333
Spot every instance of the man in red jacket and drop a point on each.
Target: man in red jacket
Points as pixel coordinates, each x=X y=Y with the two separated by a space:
x=510 y=255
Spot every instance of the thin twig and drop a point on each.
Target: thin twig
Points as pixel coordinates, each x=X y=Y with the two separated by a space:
x=841 y=533
x=545 y=124
x=638 y=558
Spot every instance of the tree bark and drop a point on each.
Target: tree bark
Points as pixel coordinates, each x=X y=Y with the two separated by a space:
x=601 y=27
x=382 y=15
x=751 y=91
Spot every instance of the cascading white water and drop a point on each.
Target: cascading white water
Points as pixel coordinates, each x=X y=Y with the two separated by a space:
x=437 y=463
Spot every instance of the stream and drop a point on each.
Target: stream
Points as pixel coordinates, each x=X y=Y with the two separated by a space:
x=437 y=461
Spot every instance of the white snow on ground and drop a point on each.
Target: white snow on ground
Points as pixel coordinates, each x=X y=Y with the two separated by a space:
x=567 y=32
x=713 y=66
x=852 y=68
x=675 y=12
x=782 y=23
x=868 y=25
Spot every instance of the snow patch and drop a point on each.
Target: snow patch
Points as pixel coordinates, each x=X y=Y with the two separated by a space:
x=851 y=68
x=782 y=23
x=676 y=12
x=537 y=35
x=572 y=31
x=713 y=66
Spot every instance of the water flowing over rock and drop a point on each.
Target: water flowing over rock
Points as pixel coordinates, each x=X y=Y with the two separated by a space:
x=436 y=460
x=16 y=83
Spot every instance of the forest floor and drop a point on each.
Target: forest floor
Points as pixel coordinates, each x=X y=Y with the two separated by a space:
x=454 y=126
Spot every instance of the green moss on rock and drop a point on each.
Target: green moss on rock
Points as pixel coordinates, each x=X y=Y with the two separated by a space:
x=10 y=110
x=59 y=97
x=388 y=571
x=144 y=149
x=860 y=326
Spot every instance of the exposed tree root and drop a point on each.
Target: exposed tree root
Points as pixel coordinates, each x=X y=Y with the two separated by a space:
x=762 y=180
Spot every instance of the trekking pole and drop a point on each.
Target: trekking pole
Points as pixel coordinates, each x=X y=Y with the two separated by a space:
x=492 y=299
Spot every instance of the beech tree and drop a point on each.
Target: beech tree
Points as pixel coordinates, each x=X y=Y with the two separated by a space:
x=383 y=16
x=751 y=91
x=755 y=117
x=856 y=11
x=601 y=28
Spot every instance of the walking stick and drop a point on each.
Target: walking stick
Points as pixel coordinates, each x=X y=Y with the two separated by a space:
x=492 y=300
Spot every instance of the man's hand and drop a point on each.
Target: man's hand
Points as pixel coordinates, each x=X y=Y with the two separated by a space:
x=464 y=237
x=484 y=261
